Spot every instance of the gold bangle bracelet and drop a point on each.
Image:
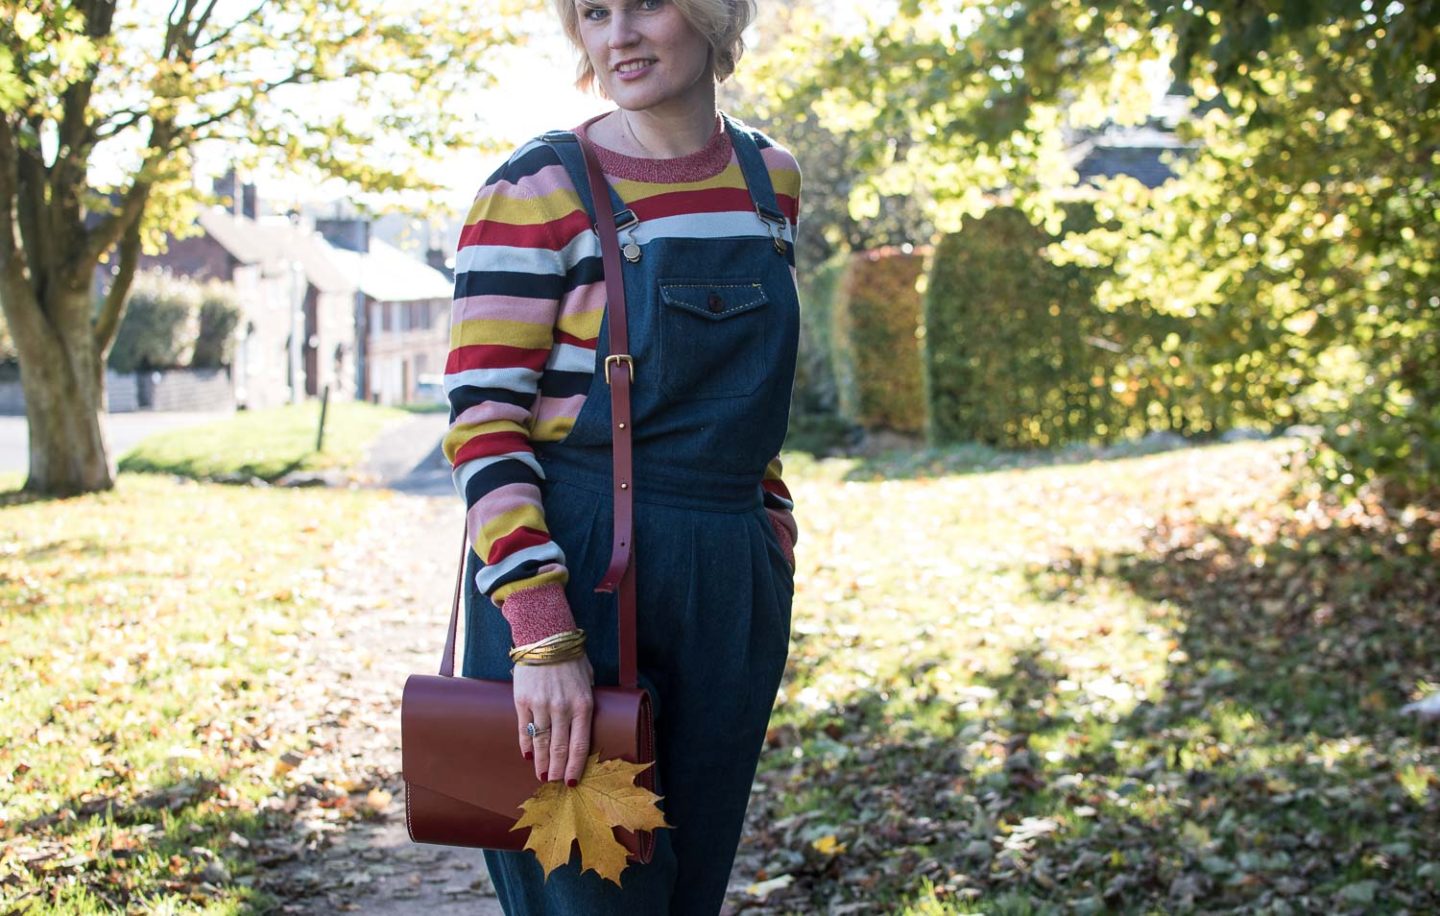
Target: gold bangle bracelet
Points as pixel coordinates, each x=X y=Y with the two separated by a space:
x=548 y=660
x=559 y=647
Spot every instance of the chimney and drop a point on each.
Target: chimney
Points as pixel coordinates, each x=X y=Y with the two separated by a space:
x=224 y=187
x=435 y=257
x=347 y=232
x=249 y=203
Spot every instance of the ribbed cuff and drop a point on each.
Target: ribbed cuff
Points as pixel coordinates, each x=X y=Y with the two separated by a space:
x=784 y=523
x=535 y=613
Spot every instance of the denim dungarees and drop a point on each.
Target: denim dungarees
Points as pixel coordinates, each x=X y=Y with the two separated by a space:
x=714 y=326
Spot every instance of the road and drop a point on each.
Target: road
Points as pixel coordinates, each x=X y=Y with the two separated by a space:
x=123 y=431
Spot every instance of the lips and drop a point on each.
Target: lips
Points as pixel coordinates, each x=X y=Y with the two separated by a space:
x=635 y=65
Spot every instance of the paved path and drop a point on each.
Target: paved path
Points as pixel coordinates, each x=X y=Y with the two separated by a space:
x=123 y=430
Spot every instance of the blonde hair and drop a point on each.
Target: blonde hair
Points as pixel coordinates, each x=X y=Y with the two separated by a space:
x=721 y=22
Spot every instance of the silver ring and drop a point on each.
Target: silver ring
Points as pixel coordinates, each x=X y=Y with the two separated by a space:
x=532 y=731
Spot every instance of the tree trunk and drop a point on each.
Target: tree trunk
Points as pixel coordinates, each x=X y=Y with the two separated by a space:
x=64 y=383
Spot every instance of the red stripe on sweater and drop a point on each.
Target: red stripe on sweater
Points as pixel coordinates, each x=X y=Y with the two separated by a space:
x=702 y=200
x=587 y=343
x=517 y=540
x=492 y=444
x=494 y=356
x=777 y=486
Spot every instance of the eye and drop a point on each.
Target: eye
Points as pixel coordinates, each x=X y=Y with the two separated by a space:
x=592 y=13
x=651 y=4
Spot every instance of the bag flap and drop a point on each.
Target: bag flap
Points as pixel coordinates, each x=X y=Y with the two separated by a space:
x=459 y=737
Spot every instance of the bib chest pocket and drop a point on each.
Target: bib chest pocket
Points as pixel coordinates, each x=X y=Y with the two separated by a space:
x=713 y=337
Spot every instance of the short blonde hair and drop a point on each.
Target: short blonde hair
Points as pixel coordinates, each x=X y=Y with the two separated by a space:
x=722 y=22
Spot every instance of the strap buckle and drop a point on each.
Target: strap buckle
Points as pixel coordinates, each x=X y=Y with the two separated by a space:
x=776 y=223
x=620 y=358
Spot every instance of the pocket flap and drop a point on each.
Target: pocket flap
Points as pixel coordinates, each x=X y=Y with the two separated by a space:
x=713 y=299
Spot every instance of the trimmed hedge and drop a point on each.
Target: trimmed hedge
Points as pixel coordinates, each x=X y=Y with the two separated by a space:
x=1004 y=360
x=815 y=388
x=875 y=332
x=219 y=316
x=1018 y=355
x=172 y=322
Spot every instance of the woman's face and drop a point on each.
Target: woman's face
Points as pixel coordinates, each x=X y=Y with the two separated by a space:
x=645 y=53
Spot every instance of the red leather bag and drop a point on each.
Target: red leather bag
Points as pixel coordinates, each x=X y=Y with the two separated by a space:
x=464 y=776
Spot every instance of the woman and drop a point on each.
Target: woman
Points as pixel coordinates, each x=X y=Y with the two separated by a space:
x=713 y=327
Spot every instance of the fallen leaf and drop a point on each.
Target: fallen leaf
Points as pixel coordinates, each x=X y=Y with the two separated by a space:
x=763 y=889
x=605 y=797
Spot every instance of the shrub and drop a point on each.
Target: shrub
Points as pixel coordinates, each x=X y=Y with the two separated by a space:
x=814 y=370
x=160 y=324
x=1017 y=354
x=219 y=316
x=875 y=341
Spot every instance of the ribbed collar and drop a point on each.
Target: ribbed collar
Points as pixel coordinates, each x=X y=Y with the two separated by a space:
x=706 y=162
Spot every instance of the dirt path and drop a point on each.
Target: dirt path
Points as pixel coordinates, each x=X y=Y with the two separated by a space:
x=389 y=600
x=388 y=604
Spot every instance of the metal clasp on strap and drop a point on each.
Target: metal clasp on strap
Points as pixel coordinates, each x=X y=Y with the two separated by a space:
x=620 y=358
x=776 y=222
x=626 y=219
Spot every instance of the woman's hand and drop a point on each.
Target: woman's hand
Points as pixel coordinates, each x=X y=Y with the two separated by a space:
x=559 y=695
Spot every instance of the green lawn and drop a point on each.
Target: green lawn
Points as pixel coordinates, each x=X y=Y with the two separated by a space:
x=149 y=639
x=266 y=443
x=1151 y=684
x=1018 y=684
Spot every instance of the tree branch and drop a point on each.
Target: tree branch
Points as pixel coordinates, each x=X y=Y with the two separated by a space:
x=108 y=322
x=30 y=207
x=230 y=112
x=225 y=35
x=134 y=118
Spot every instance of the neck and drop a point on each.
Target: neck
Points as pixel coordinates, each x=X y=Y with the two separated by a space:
x=677 y=129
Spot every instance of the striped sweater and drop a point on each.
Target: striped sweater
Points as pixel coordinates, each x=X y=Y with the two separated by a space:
x=525 y=324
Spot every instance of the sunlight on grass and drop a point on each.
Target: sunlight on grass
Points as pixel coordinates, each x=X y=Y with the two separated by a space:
x=150 y=635
x=1000 y=678
x=266 y=443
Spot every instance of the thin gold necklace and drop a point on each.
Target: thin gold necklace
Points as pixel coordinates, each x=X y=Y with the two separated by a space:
x=626 y=121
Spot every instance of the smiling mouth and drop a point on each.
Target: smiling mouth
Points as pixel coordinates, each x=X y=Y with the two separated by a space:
x=630 y=66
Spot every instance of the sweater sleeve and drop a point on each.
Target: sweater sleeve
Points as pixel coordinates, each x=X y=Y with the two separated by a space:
x=509 y=280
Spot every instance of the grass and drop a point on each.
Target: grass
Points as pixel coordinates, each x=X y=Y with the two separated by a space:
x=267 y=444
x=149 y=639
x=1133 y=683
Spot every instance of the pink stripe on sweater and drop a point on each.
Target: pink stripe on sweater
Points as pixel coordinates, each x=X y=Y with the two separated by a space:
x=548 y=180
x=504 y=498
x=503 y=308
x=553 y=408
x=487 y=411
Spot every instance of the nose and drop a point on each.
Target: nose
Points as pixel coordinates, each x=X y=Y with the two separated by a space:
x=622 y=29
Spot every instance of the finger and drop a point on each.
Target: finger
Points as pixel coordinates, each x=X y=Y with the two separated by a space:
x=559 y=747
x=579 y=743
x=527 y=747
x=541 y=744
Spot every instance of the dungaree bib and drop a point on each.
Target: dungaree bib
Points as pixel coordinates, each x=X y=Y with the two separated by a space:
x=714 y=326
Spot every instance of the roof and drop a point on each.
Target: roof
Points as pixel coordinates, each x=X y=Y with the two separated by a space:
x=387 y=274
x=1139 y=152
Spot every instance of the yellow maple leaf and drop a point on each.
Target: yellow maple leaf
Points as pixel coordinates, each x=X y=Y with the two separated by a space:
x=605 y=797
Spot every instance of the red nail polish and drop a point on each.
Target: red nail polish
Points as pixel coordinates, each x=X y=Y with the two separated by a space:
x=545 y=776
x=529 y=755
x=572 y=783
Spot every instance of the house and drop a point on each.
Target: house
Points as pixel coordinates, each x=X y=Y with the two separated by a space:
x=402 y=310
x=288 y=283
x=369 y=319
